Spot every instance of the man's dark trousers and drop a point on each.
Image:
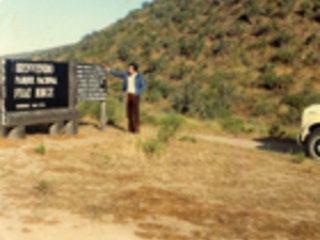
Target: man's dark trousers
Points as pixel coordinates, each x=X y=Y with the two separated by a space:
x=133 y=113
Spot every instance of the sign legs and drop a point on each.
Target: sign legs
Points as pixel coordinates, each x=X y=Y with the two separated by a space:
x=72 y=127
x=18 y=132
x=3 y=131
x=103 y=115
x=56 y=129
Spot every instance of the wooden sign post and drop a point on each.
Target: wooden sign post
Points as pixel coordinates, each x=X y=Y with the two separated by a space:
x=91 y=81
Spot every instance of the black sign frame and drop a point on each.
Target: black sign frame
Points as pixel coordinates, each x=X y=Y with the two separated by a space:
x=59 y=88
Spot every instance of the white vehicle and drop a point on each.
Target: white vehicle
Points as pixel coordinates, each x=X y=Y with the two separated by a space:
x=310 y=133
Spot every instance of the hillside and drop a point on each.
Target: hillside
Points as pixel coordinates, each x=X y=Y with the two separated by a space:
x=255 y=60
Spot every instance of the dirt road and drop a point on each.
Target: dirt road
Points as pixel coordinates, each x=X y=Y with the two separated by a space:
x=266 y=144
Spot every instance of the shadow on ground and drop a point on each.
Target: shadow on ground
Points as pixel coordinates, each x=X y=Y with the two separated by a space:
x=97 y=126
x=278 y=145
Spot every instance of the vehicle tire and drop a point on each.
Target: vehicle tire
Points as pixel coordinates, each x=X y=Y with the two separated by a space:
x=313 y=144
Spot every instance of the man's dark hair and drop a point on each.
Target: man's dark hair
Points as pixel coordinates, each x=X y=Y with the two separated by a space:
x=135 y=66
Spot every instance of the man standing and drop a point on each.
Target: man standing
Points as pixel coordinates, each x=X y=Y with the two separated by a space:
x=134 y=85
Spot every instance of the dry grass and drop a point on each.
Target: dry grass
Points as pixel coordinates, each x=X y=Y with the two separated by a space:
x=191 y=191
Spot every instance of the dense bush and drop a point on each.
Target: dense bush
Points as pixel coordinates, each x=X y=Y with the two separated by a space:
x=185 y=97
x=124 y=52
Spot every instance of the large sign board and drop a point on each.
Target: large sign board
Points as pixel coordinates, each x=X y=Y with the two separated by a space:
x=91 y=82
x=31 y=86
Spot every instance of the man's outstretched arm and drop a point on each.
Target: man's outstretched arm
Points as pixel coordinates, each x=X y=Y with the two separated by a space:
x=115 y=73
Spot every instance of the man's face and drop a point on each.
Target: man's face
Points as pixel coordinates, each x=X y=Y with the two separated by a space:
x=131 y=70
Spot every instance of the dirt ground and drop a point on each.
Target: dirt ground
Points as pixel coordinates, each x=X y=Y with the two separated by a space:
x=102 y=186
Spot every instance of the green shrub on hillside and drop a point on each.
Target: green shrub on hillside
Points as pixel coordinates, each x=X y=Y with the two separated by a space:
x=230 y=3
x=180 y=71
x=257 y=45
x=191 y=48
x=185 y=97
x=312 y=58
x=163 y=87
x=281 y=39
x=275 y=130
x=284 y=56
x=233 y=125
x=151 y=147
x=215 y=112
x=313 y=39
x=114 y=110
x=286 y=7
x=148 y=118
x=116 y=86
x=124 y=52
x=180 y=16
x=268 y=9
x=264 y=29
x=216 y=33
x=292 y=117
x=169 y=127
x=305 y=7
x=236 y=29
x=271 y=81
x=223 y=47
x=316 y=15
x=295 y=101
x=157 y=65
x=154 y=95
x=263 y=110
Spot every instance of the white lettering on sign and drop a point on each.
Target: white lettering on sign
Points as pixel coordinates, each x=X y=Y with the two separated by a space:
x=27 y=80
x=39 y=105
x=23 y=106
x=44 y=93
x=39 y=68
x=47 y=80
x=22 y=93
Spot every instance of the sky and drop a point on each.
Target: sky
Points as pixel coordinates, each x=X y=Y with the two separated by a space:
x=28 y=25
